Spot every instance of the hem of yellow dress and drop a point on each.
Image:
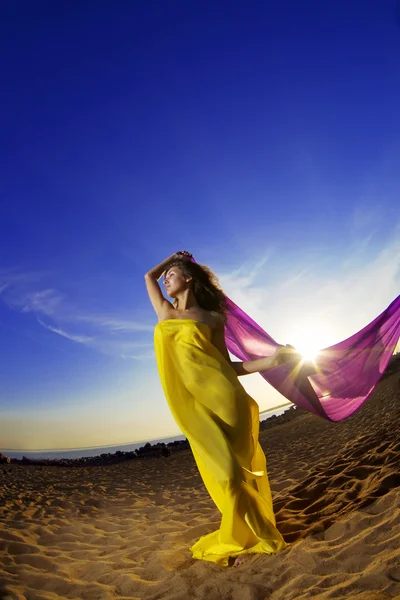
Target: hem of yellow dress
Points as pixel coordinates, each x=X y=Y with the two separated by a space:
x=223 y=559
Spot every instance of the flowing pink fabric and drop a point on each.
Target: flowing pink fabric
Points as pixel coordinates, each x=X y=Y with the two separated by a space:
x=342 y=377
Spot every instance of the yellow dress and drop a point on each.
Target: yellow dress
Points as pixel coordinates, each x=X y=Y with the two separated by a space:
x=221 y=423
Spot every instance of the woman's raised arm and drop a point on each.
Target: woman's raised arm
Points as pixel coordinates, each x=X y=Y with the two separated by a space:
x=160 y=304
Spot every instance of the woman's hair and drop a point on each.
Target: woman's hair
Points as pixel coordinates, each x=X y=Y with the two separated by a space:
x=205 y=285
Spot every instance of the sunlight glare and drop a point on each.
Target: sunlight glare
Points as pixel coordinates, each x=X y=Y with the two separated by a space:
x=309 y=353
x=309 y=341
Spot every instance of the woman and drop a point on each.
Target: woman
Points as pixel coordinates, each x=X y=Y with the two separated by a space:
x=213 y=410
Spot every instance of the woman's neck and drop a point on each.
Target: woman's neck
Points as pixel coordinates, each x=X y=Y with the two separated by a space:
x=186 y=302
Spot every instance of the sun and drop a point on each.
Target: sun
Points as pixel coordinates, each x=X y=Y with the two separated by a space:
x=308 y=342
x=308 y=352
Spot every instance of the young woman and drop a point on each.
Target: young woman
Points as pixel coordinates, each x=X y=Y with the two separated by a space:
x=213 y=410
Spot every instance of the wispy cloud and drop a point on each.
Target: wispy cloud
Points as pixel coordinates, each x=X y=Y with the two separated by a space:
x=46 y=302
x=111 y=334
x=3 y=287
x=114 y=324
x=80 y=339
x=110 y=346
x=25 y=292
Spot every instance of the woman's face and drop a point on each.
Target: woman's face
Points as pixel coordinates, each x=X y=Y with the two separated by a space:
x=175 y=281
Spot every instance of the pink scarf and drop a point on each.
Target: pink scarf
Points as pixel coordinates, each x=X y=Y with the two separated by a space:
x=342 y=377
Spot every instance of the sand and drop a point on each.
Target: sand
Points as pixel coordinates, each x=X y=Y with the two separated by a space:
x=123 y=531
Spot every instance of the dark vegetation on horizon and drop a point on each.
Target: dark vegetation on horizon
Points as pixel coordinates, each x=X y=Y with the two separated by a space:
x=393 y=366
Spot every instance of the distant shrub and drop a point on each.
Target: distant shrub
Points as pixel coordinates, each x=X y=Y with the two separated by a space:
x=393 y=366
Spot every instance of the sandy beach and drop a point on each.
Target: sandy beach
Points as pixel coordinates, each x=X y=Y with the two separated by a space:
x=123 y=530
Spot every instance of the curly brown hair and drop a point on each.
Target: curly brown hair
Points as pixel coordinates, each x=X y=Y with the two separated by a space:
x=205 y=284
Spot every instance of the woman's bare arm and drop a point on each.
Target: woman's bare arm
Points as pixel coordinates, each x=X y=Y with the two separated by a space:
x=160 y=304
x=282 y=355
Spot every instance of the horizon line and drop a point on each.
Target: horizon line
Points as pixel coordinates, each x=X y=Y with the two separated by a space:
x=120 y=444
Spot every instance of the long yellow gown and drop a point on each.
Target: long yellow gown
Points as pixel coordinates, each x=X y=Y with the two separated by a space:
x=221 y=423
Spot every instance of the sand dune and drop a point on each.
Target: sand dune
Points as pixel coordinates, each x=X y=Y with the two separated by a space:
x=123 y=531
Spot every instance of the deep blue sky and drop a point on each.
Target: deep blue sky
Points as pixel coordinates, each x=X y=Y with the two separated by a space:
x=241 y=131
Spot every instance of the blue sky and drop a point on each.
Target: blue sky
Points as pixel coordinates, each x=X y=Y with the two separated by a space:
x=262 y=137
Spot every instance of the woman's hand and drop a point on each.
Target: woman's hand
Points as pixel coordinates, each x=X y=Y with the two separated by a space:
x=285 y=354
x=281 y=356
x=183 y=253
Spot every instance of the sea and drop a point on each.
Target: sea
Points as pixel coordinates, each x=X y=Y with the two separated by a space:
x=128 y=447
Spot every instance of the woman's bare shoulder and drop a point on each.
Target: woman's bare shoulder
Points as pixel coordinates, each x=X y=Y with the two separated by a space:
x=168 y=313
